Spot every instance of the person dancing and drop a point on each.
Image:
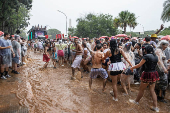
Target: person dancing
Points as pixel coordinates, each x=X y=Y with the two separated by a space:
x=54 y=56
x=117 y=66
x=46 y=55
x=97 y=58
x=162 y=84
x=149 y=76
x=78 y=59
x=127 y=76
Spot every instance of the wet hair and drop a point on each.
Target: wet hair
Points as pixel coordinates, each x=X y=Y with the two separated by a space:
x=97 y=42
x=147 y=39
x=106 y=38
x=16 y=37
x=98 y=46
x=47 y=43
x=128 y=46
x=84 y=44
x=122 y=40
x=139 y=44
x=149 y=49
x=133 y=43
x=156 y=41
x=105 y=43
x=5 y=34
x=113 y=46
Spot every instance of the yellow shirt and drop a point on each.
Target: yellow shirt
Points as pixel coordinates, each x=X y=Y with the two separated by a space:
x=72 y=47
x=61 y=46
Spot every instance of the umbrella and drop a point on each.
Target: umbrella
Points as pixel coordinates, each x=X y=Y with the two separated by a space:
x=84 y=38
x=126 y=38
x=166 y=38
x=1 y=33
x=160 y=36
x=134 y=38
x=74 y=37
x=121 y=35
x=103 y=37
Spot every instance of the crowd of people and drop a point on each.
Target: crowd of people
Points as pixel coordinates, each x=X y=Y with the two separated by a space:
x=13 y=52
x=122 y=61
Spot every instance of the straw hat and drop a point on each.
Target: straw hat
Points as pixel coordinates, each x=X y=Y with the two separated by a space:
x=154 y=36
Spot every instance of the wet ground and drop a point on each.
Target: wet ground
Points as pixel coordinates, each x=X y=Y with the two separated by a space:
x=52 y=91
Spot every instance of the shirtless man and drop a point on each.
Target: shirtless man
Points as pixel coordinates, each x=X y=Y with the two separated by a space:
x=78 y=58
x=97 y=58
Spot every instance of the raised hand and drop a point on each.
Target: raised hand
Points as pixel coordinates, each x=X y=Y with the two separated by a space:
x=162 y=26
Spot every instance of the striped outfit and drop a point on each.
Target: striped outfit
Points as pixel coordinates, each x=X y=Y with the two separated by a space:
x=99 y=71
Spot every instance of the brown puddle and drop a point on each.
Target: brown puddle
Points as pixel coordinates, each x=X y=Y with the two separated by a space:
x=52 y=91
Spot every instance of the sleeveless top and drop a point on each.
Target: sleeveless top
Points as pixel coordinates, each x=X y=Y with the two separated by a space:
x=115 y=58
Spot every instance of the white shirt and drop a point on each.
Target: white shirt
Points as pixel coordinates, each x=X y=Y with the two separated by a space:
x=88 y=53
x=88 y=45
x=105 y=51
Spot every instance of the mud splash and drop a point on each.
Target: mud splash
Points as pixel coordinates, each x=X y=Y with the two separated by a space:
x=52 y=91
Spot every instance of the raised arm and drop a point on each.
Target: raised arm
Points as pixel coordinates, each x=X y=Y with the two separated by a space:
x=162 y=26
x=5 y=47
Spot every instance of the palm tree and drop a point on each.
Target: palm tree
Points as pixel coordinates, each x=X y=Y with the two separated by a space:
x=125 y=19
x=166 y=11
x=132 y=21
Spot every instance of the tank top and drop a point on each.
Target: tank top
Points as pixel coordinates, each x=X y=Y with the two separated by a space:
x=115 y=58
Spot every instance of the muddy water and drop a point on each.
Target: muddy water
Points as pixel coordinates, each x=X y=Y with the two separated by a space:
x=52 y=91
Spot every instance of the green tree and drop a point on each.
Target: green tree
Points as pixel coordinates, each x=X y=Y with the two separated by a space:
x=132 y=21
x=53 y=33
x=166 y=11
x=166 y=31
x=23 y=34
x=14 y=14
x=95 y=26
x=71 y=31
x=124 y=20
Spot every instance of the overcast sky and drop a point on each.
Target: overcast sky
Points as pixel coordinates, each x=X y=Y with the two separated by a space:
x=44 y=12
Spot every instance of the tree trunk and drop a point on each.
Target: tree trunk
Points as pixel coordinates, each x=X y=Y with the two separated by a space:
x=124 y=29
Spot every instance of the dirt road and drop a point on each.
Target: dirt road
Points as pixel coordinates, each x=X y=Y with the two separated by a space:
x=52 y=91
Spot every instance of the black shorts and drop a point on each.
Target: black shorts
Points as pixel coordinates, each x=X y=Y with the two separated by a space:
x=114 y=73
